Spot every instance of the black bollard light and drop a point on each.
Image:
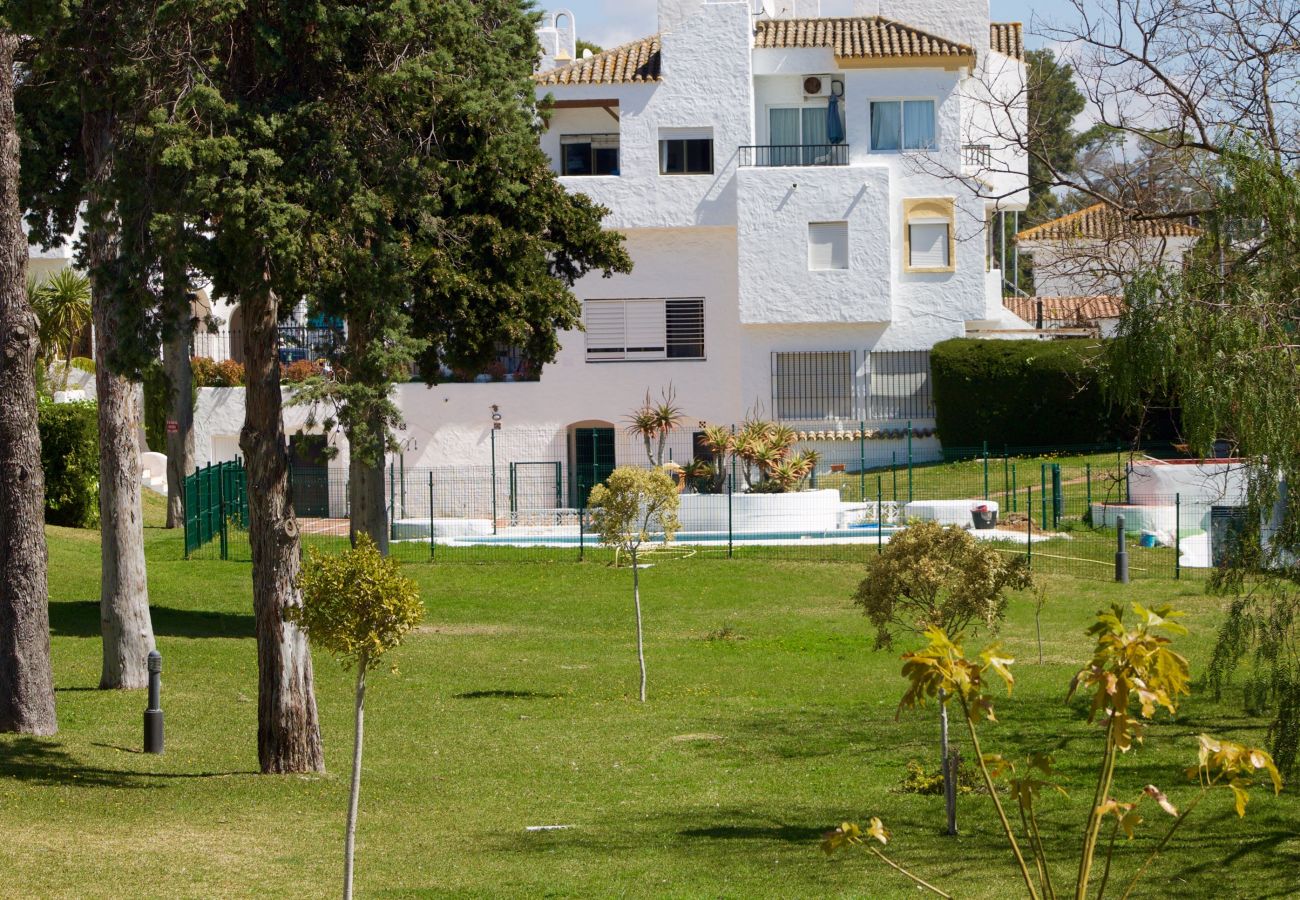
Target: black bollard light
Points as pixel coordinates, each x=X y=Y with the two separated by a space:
x=153 y=716
x=1121 y=554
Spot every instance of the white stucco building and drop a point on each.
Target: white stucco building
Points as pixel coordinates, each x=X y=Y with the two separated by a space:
x=1083 y=260
x=786 y=264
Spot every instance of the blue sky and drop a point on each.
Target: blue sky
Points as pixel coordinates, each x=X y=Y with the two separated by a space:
x=612 y=22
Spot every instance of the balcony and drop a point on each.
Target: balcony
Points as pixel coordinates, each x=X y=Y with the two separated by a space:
x=976 y=157
x=782 y=155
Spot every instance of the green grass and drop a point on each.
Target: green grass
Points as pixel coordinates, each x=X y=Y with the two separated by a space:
x=515 y=706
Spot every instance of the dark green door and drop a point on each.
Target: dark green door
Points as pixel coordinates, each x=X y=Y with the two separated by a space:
x=310 y=473
x=593 y=460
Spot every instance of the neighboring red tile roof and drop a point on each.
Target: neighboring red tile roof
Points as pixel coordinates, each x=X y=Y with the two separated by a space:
x=1067 y=309
x=630 y=63
x=1007 y=39
x=1101 y=221
x=864 y=37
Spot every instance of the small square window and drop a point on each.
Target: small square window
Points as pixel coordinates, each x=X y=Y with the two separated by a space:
x=903 y=125
x=589 y=154
x=828 y=245
x=686 y=156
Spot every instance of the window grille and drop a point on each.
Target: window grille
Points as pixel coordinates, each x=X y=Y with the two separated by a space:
x=814 y=385
x=899 y=385
x=644 y=329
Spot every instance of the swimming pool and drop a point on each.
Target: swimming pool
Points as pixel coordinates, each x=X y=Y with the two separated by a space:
x=857 y=534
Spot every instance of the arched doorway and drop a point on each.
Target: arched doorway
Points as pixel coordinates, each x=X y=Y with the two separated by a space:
x=591 y=458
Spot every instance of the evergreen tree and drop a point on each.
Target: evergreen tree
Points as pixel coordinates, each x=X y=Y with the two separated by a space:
x=444 y=249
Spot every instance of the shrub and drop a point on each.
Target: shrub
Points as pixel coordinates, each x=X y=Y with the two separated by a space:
x=300 y=370
x=210 y=373
x=1022 y=393
x=70 y=457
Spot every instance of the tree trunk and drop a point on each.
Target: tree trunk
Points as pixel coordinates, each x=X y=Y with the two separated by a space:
x=947 y=768
x=366 y=496
x=124 y=589
x=368 y=445
x=26 y=680
x=180 y=380
x=636 y=597
x=358 y=736
x=288 y=734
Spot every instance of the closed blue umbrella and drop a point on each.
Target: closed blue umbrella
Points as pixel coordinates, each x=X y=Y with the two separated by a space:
x=834 y=127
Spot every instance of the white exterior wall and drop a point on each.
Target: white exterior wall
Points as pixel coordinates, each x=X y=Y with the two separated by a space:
x=1088 y=268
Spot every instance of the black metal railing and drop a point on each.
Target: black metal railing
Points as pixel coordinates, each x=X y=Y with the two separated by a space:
x=777 y=155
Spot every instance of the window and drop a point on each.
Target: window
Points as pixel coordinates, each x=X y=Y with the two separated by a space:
x=644 y=329
x=902 y=125
x=900 y=385
x=828 y=245
x=686 y=155
x=798 y=137
x=589 y=154
x=928 y=240
x=814 y=385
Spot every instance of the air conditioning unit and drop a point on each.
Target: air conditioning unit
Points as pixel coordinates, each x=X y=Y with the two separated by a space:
x=822 y=86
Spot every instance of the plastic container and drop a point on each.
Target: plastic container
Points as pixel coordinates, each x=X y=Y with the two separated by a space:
x=1148 y=540
x=984 y=519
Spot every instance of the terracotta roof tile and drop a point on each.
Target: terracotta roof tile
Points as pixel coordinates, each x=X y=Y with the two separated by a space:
x=1101 y=221
x=1006 y=38
x=1067 y=309
x=628 y=64
x=856 y=38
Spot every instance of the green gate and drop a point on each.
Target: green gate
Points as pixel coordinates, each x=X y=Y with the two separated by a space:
x=593 y=461
x=216 y=498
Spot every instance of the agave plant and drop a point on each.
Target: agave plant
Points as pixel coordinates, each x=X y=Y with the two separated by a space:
x=654 y=421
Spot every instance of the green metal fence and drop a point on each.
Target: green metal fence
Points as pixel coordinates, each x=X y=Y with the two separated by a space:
x=216 y=505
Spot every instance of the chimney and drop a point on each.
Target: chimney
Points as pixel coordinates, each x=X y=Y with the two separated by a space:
x=558 y=35
x=672 y=13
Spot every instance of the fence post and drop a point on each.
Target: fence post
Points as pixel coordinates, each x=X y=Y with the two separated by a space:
x=1029 y=525
x=1006 y=482
x=432 y=542
x=1015 y=498
x=1058 y=496
x=909 y=460
x=731 y=489
x=986 y=470
x=221 y=509
x=1121 y=553
x=1042 y=495
x=493 y=435
x=392 y=501
x=1087 y=467
x=862 y=460
x=1178 y=536
x=401 y=462
x=893 y=471
x=582 y=533
x=880 y=518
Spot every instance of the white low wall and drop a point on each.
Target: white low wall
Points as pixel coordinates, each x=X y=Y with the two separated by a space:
x=947 y=512
x=752 y=513
x=1218 y=482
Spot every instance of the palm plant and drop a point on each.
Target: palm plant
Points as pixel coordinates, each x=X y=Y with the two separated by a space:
x=62 y=305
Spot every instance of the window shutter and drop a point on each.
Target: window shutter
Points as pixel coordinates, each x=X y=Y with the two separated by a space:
x=929 y=242
x=605 y=329
x=828 y=245
x=646 y=334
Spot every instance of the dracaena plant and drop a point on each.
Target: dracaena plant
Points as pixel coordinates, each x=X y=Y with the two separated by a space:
x=1133 y=674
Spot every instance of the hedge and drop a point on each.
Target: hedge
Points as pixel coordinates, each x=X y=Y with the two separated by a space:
x=1020 y=393
x=70 y=457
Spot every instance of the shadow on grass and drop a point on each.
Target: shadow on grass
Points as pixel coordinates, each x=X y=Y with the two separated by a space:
x=795 y=834
x=80 y=618
x=505 y=695
x=40 y=762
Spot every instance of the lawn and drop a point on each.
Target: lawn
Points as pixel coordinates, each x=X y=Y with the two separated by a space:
x=770 y=719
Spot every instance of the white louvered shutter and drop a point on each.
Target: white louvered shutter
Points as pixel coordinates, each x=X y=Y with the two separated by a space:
x=929 y=242
x=646 y=333
x=604 y=320
x=828 y=245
